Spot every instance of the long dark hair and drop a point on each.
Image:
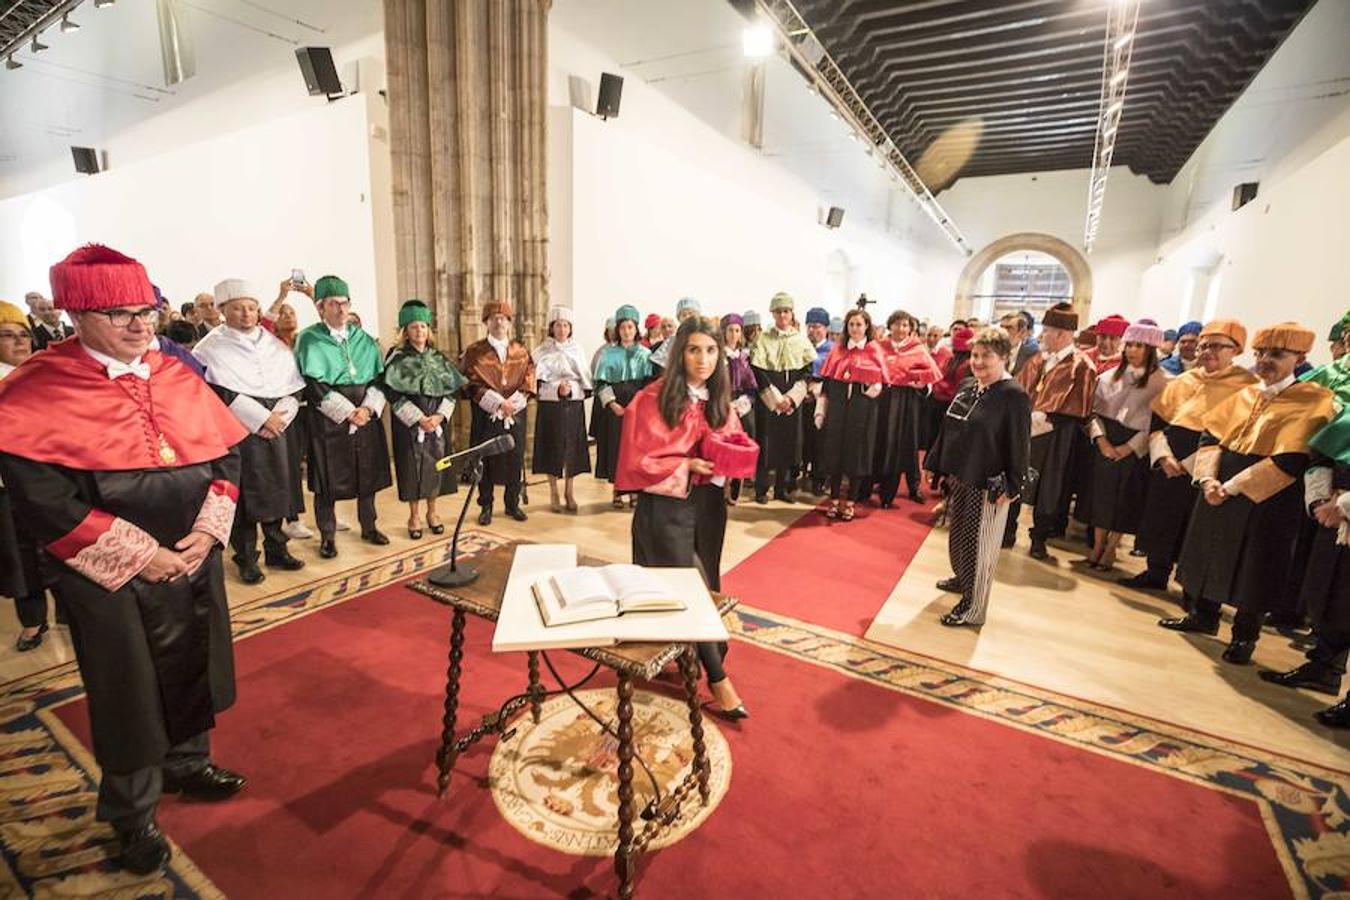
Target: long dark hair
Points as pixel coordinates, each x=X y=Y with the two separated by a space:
x=854 y=314
x=675 y=387
x=1150 y=366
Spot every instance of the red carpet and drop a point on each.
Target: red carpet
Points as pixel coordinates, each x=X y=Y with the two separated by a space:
x=831 y=573
x=840 y=788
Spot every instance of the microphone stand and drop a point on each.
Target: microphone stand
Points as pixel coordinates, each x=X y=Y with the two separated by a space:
x=453 y=574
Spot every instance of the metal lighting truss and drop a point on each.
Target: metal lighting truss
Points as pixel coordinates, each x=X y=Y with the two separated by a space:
x=1122 y=20
x=811 y=58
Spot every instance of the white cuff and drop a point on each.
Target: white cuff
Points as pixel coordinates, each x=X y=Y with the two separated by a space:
x=1158 y=448
x=490 y=401
x=606 y=396
x=548 y=390
x=1316 y=485
x=1138 y=443
x=771 y=397
x=1343 y=504
x=407 y=412
x=287 y=408
x=374 y=401
x=250 y=412
x=1095 y=429
x=518 y=400
x=446 y=409
x=797 y=393
x=336 y=407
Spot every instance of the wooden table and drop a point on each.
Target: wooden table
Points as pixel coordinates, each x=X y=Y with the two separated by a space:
x=483 y=598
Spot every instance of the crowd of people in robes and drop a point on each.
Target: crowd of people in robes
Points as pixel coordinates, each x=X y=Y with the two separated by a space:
x=1233 y=480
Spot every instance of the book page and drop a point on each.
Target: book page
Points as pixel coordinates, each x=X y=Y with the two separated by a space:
x=633 y=586
x=582 y=586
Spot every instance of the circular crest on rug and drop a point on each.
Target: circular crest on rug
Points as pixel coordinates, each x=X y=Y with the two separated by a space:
x=557 y=782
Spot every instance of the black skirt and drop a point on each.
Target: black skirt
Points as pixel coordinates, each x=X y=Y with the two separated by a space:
x=1116 y=486
x=415 y=461
x=607 y=428
x=560 y=447
x=849 y=436
x=902 y=421
x=682 y=531
x=1239 y=552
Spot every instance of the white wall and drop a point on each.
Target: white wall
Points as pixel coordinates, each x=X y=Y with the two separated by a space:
x=293 y=191
x=657 y=205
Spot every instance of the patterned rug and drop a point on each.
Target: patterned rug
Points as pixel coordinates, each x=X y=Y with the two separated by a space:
x=51 y=846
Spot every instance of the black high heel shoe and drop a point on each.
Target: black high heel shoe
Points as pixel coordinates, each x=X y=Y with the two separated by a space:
x=735 y=714
x=437 y=528
x=24 y=644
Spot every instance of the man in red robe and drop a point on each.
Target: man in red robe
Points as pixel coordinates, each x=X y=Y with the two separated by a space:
x=134 y=516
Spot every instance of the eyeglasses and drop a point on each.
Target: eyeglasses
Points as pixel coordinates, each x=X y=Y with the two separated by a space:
x=22 y=334
x=1271 y=353
x=121 y=318
x=1215 y=346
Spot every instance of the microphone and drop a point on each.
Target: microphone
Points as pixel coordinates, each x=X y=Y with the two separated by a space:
x=502 y=443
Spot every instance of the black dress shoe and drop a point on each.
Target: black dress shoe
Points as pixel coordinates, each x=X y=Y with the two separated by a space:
x=438 y=528
x=1337 y=716
x=327 y=548
x=917 y=496
x=209 y=784
x=24 y=644
x=950 y=585
x=1191 y=624
x=783 y=497
x=1144 y=581
x=485 y=517
x=1038 y=550
x=761 y=498
x=888 y=504
x=374 y=536
x=249 y=573
x=284 y=561
x=1239 y=653
x=1309 y=675
x=517 y=513
x=144 y=849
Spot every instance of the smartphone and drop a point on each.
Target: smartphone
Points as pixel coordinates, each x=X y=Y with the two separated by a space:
x=297 y=277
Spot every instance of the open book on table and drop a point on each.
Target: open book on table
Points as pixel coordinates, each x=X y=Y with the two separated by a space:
x=587 y=593
x=521 y=625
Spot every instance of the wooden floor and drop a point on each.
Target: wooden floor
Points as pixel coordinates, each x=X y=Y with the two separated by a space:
x=1051 y=624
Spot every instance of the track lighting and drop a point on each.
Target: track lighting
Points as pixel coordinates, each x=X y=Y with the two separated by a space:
x=12 y=63
x=67 y=25
x=37 y=46
x=99 y=4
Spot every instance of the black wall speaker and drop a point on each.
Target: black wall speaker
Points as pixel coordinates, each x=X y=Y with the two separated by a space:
x=835 y=217
x=321 y=77
x=86 y=160
x=1244 y=193
x=611 y=89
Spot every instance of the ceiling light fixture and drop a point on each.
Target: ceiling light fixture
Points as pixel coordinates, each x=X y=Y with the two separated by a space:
x=1122 y=22
x=13 y=63
x=99 y=4
x=757 y=41
x=67 y=25
x=37 y=46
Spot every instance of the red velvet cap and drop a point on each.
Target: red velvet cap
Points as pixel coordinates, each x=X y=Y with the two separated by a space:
x=1113 y=326
x=98 y=277
x=962 y=338
x=733 y=454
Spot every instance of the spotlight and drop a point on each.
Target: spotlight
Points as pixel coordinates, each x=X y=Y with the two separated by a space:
x=99 y=4
x=12 y=63
x=37 y=46
x=757 y=41
x=1123 y=41
x=67 y=25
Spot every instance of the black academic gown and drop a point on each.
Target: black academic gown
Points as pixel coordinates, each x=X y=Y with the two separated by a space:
x=607 y=428
x=139 y=648
x=900 y=430
x=849 y=434
x=344 y=465
x=266 y=470
x=414 y=460
x=779 y=436
x=1326 y=583
x=1169 y=501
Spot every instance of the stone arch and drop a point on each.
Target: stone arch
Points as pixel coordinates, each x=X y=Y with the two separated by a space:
x=1068 y=256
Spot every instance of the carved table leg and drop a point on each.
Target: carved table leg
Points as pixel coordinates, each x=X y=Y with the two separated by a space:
x=689 y=667
x=536 y=689
x=624 y=863
x=445 y=756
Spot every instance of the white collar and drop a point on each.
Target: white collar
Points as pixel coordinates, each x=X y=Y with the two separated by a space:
x=116 y=367
x=5 y=369
x=1052 y=359
x=1272 y=390
x=338 y=336
x=856 y=345
x=698 y=393
x=247 y=338
x=822 y=343
x=501 y=346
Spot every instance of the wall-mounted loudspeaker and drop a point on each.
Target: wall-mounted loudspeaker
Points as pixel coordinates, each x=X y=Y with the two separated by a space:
x=611 y=89
x=86 y=160
x=321 y=77
x=835 y=217
x=1244 y=193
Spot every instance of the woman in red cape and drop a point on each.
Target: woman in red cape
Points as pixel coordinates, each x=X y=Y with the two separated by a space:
x=680 y=444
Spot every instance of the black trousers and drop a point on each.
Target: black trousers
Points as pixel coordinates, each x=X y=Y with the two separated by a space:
x=128 y=799
x=859 y=487
x=782 y=481
x=325 y=516
x=244 y=540
x=1247 y=621
x=686 y=531
x=510 y=493
x=889 y=485
x=1331 y=649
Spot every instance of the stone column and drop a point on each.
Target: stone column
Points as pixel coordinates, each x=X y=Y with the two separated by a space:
x=467 y=101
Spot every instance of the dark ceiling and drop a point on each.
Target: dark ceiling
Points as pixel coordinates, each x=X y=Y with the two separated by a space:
x=1023 y=78
x=17 y=15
